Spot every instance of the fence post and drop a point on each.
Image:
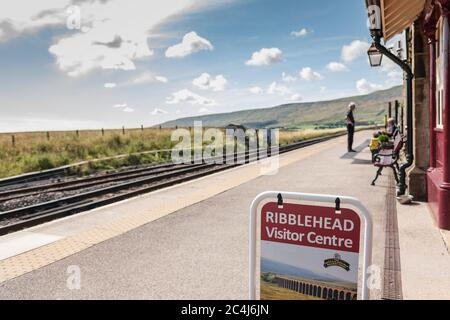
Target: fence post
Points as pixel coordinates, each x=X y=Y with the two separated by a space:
x=247 y=149
x=257 y=144
x=77 y=133
x=235 y=149
x=48 y=135
x=142 y=127
x=224 y=152
x=103 y=132
x=123 y=130
x=13 y=140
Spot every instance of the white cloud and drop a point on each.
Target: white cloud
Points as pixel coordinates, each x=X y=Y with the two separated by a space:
x=337 y=67
x=203 y=110
x=278 y=89
x=256 y=90
x=146 y=78
x=288 y=78
x=364 y=86
x=110 y=85
x=161 y=79
x=265 y=57
x=22 y=16
x=108 y=44
x=139 y=80
x=323 y=89
x=191 y=43
x=158 y=111
x=208 y=82
x=310 y=75
x=294 y=97
x=124 y=107
x=354 y=50
x=113 y=34
x=143 y=78
x=395 y=75
x=300 y=33
x=392 y=70
x=189 y=97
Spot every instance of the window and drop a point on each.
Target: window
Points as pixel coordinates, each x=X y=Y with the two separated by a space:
x=439 y=74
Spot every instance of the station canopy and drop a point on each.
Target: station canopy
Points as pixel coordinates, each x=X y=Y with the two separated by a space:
x=399 y=15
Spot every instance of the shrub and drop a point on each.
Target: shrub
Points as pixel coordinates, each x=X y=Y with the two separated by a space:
x=115 y=142
x=45 y=163
x=133 y=160
x=44 y=148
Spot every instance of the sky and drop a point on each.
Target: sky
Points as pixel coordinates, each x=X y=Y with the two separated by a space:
x=88 y=64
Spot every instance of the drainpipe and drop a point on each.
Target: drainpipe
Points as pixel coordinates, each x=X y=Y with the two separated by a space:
x=401 y=187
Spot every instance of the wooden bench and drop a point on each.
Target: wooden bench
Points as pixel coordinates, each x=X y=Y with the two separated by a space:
x=389 y=157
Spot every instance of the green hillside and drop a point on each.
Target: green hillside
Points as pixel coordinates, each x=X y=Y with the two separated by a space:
x=325 y=114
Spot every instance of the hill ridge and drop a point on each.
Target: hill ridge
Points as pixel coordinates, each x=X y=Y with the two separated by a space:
x=322 y=114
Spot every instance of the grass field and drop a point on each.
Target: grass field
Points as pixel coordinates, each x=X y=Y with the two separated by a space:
x=36 y=151
x=271 y=291
x=287 y=137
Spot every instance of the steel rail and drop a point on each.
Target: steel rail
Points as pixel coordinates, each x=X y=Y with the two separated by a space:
x=87 y=182
x=94 y=193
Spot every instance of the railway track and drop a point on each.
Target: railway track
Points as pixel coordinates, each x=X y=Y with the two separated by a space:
x=16 y=193
x=105 y=189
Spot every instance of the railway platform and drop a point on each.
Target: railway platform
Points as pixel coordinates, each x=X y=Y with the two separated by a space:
x=190 y=241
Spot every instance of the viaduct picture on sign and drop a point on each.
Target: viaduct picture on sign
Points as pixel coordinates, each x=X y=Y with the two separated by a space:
x=317 y=289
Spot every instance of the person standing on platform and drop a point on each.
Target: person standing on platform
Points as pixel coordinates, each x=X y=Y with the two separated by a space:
x=350 y=120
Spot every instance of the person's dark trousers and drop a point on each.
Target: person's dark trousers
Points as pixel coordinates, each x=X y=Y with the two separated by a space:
x=351 y=133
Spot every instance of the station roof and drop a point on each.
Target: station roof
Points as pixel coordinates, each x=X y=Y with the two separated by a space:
x=397 y=15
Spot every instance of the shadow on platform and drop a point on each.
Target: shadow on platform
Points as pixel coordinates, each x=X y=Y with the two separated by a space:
x=358 y=149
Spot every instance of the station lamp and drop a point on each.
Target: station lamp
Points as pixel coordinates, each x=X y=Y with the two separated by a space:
x=375 y=56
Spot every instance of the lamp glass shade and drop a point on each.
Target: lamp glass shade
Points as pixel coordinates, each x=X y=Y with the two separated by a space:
x=375 y=56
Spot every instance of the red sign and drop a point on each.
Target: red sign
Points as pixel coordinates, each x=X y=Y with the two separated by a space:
x=311 y=226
